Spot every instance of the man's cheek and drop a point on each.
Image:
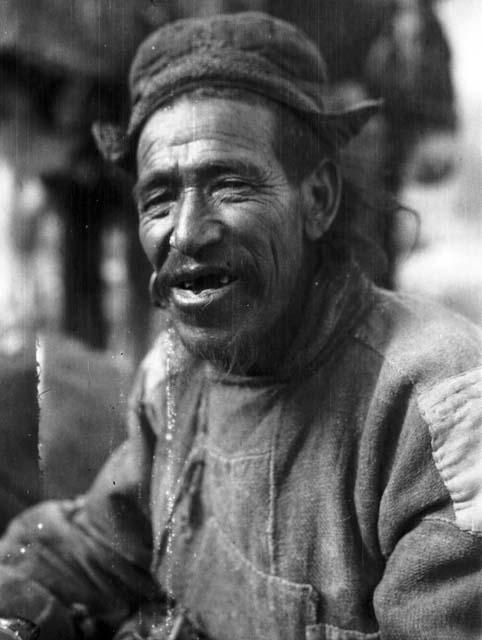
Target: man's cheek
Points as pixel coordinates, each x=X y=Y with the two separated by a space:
x=154 y=245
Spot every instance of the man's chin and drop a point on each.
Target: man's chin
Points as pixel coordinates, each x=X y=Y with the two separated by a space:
x=227 y=349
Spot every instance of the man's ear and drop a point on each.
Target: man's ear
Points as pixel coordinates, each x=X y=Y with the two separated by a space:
x=321 y=192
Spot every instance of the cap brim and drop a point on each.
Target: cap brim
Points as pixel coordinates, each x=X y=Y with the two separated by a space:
x=118 y=148
x=345 y=125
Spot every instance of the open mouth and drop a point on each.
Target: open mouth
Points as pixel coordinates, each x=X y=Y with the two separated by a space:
x=201 y=285
x=205 y=283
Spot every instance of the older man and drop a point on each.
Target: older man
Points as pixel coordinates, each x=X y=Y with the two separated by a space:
x=304 y=449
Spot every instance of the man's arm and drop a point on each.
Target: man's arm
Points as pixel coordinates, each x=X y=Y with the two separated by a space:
x=95 y=550
x=430 y=520
x=432 y=586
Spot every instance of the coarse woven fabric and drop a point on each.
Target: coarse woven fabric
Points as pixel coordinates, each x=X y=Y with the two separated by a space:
x=325 y=502
x=251 y=51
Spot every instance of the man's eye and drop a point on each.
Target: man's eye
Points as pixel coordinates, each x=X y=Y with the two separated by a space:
x=231 y=186
x=234 y=183
x=157 y=203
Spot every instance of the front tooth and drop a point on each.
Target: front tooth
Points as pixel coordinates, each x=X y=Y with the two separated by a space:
x=188 y=285
x=224 y=280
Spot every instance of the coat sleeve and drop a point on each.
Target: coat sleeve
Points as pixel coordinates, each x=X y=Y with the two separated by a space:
x=94 y=551
x=430 y=520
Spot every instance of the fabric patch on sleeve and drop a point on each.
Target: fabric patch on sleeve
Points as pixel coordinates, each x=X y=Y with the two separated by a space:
x=453 y=412
x=329 y=632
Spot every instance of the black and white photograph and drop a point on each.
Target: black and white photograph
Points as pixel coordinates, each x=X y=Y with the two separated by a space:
x=240 y=320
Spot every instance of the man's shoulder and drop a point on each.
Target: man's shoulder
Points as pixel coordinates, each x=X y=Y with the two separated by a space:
x=421 y=339
x=438 y=354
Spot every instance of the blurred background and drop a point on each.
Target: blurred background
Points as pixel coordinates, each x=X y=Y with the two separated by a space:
x=75 y=316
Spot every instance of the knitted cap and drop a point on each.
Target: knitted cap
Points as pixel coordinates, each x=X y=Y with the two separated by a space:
x=251 y=51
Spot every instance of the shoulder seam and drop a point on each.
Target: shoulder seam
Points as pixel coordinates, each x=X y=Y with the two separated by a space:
x=383 y=357
x=380 y=304
x=453 y=525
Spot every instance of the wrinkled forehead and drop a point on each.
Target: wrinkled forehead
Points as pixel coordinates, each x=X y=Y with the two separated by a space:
x=191 y=130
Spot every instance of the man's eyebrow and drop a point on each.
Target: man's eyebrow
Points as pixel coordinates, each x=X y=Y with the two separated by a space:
x=234 y=165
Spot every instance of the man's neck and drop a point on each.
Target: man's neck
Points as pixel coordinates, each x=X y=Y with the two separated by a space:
x=337 y=296
x=265 y=354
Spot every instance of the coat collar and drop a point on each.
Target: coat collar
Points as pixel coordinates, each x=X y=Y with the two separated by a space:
x=340 y=296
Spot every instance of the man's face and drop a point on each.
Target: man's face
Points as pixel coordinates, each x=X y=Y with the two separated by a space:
x=220 y=222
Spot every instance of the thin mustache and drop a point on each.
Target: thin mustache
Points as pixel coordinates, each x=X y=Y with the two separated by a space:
x=195 y=271
x=173 y=271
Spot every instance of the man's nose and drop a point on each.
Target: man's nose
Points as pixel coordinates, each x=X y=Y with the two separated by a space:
x=196 y=226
